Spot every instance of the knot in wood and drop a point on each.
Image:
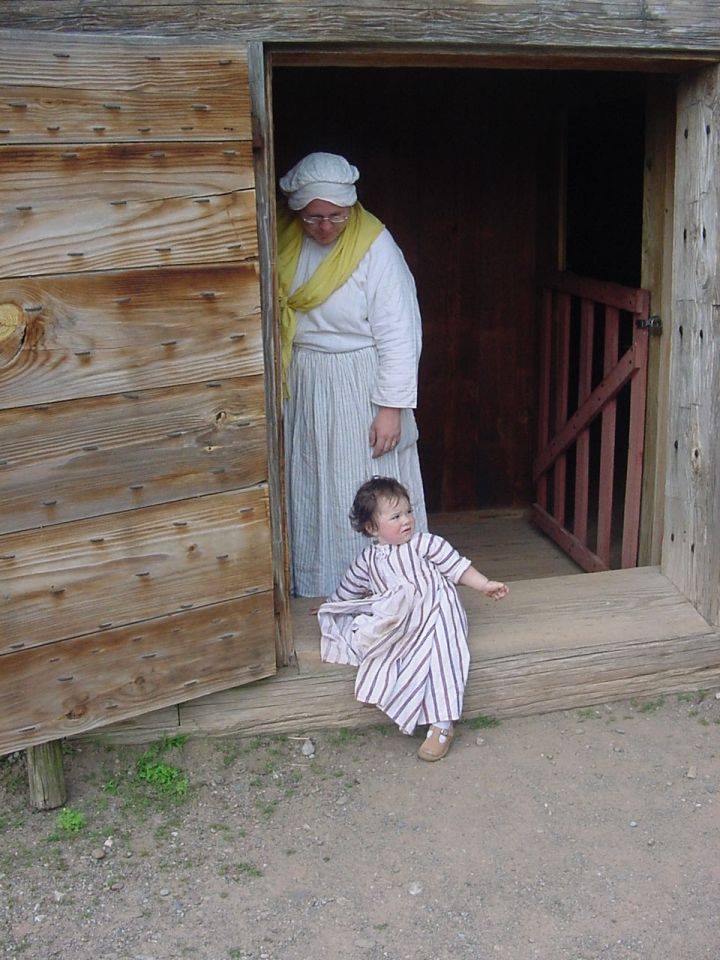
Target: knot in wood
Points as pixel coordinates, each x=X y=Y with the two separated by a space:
x=13 y=329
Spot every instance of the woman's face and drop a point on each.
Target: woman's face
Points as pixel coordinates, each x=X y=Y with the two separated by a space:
x=323 y=230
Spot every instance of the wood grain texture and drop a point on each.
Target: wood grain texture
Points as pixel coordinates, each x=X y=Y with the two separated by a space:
x=47 y=179
x=505 y=546
x=46 y=778
x=691 y=547
x=97 y=89
x=76 y=578
x=601 y=637
x=656 y=277
x=437 y=54
x=64 y=688
x=98 y=456
x=620 y=25
x=261 y=100
x=95 y=235
x=132 y=330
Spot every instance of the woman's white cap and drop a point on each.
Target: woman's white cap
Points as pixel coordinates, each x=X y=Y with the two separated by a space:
x=320 y=176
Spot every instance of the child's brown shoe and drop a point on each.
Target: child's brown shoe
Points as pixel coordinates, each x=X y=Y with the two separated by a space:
x=436 y=744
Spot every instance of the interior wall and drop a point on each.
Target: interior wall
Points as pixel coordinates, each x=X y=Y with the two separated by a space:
x=447 y=162
x=463 y=168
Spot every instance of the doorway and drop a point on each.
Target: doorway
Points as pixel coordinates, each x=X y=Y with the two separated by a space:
x=487 y=179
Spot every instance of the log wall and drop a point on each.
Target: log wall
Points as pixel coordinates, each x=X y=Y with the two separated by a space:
x=135 y=550
x=692 y=25
x=691 y=547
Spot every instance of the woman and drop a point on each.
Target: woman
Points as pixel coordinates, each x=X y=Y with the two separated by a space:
x=350 y=331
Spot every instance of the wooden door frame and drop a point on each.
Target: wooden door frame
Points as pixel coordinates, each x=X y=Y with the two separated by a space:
x=656 y=242
x=260 y=81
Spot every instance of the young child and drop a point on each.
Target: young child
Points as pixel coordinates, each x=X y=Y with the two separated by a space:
x=396 y=615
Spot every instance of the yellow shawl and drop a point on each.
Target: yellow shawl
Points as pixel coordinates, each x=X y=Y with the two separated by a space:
x=351 y=246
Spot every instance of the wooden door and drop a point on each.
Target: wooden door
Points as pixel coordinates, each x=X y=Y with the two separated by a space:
x=594 y=343
x=135 y=548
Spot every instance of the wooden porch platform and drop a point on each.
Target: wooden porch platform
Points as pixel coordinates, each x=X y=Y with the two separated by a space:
x=558 y=641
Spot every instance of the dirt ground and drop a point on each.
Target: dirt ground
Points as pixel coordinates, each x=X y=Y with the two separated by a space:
x=572 y=836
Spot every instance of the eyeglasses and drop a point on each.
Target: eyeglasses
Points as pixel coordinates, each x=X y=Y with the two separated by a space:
x=317 y=220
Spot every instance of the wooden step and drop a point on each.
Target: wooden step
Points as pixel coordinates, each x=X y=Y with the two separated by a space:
x=553 y=644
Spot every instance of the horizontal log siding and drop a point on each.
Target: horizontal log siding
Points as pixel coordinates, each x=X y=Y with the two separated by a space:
x=134 y=459
x=683 y=25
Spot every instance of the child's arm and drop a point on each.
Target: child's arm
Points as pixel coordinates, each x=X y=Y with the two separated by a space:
x=478 y=581
x=356 y=582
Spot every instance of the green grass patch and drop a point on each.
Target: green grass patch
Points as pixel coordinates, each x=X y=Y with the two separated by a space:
x=70 y=821
x=650 y=706
x=588 y=713
x=164 y=777
x=482 y=722
x=238 y=871
x=343 y=737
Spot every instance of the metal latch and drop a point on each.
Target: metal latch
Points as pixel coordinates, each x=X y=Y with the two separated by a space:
x=653 y=324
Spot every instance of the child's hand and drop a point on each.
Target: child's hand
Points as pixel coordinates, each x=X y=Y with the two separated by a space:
x=495 y=590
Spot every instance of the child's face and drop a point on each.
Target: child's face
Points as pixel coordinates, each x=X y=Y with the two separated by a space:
x=393 y=522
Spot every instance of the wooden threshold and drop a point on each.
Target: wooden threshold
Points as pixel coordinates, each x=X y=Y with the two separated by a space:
x=554 y=644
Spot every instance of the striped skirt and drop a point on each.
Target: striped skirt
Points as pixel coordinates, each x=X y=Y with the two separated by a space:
x=328 y=456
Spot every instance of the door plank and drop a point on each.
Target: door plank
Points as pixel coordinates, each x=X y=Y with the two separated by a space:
x=47 y=178
x=131 y=330
x=69 y=687
x=98 y=236
x=65 y=89
x=76 y=578
x=102 y=455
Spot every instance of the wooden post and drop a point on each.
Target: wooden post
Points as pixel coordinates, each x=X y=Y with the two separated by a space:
x=45 y=775
x=691 y=545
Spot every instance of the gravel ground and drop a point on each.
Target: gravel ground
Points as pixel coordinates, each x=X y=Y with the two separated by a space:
x=571 y=836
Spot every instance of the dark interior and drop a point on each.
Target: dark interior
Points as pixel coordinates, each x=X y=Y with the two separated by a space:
x=485 y=178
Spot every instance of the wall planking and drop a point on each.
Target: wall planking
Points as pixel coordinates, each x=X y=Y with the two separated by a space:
x=69 y=90
x=95 y=235
x=93 y=334
x=84 y=458
x=83 y=683
x=130 y=346
x=78 y=578
x=46 y=179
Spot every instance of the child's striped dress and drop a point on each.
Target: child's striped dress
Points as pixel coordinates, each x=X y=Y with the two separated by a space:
x=397 y=616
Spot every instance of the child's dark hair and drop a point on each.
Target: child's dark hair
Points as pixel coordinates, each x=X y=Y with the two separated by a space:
x=366 y=500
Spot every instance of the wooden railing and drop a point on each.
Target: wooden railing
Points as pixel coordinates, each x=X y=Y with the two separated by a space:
x=584 y=324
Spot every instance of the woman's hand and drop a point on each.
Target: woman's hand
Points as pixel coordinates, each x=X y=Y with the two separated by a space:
x=385 y=431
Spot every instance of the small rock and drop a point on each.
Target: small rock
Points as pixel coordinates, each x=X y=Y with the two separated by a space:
x=108 y=843
x=116 y=886
x=414 y=889
x=58 y=896
x=308 y=748
x=651 y=842
x=164 y=892
x=717 y=695
x=479 y=741
x=341 y=801
x=98 y=854
x=633 y=823
x=691 y=773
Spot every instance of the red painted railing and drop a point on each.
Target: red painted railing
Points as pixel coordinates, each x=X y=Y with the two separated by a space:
x=584 y=324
